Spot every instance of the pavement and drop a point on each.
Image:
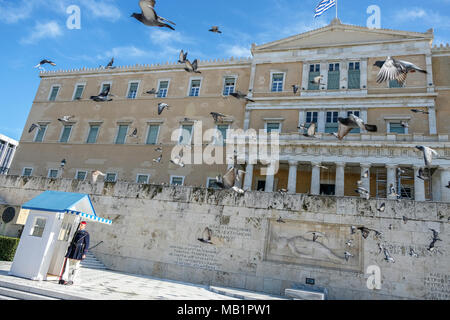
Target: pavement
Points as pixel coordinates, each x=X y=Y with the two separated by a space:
x=97 y=284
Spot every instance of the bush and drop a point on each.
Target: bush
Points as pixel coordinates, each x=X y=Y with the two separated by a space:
x=8 y=248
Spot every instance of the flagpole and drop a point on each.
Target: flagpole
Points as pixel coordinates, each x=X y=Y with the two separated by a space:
x=336 y=9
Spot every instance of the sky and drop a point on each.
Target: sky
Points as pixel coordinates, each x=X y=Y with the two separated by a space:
x=32 y=30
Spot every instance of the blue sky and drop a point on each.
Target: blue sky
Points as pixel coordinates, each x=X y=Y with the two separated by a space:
x=34 y=29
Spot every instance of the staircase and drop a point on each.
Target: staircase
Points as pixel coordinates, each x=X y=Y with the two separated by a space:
x=91 y=262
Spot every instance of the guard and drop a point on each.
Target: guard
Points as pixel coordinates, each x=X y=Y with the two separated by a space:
x=76 y=252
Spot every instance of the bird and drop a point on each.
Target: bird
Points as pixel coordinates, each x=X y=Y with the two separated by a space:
x=347 y=255
x=96 y=174
x=280 y=220
x=412 y=253
x=392 y=69
x=382 y=208
x=400 y=171
x=352 y=229
x=404 y=124
x=420 y=174
x=405 y=219
x=448 y=185
x=177 y=161
x=427 y=154
x=110 y=64
x=159 y=148
x=206 y=236
x=321 y=167
x=218 y=117
x=419 y=111
x=364 y=231
x=311 y=132
x=282 y=191
x=317 y=80
x=240 y=95
x=316 y=235
x=295 y=88
x=345 y=125
x=182 y=57
x=380 y=248
x=134 y=133
x=149 y=16
x=65 y=119
x=229 y=179
x=102 y=97
x=363 y=192
x=349 y=243
x=162 y=106
x=215 y=29
x=365 y=174
x=158 y=160
x=387 y=256
x=434 y=240
x=44 y=61
x=32 y=127
x=237 y=189
x=393 y=192
x=191 y=66
x=153 y=91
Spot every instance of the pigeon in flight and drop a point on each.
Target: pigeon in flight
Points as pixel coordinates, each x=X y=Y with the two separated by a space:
x=280 y=220
x=102 y=97
x=393 y=69
x=159 y=149
x=420 y=175
x=110 y=64
x=295 y=88
x=347 y=255
x=363 y=192
x=177 y=161
x=65 y=119
x=149 y=16
x=393 y=192
x=206 y=236
x=282 y=191
x=134 y=133
x=158 y=160
x=412 y=253
x=32 y=127
x=192 y=67
x=448 y=186
x=404 y=124
x=380 y=248
x=218 y=117
x=45 y=61
x=365 y=174
x=240 y=95
x=318 y=80
x=229 y=179
x=419 y=111
x=427 y=154
x=366 y=231
x=405 y=219
x=387 y=256
x=215 y=29
x=183 y=57
x=352 y=122
x=162 y=106
x=311 y=133
x=153 y=91
x=349 y=243
x=316 y=235
x=400 y=171
x=434 y=240
x=382 y=208
x=352 y=230
x=95 y=175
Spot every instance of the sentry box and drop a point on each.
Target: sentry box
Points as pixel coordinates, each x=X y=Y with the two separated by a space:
x=52 y=219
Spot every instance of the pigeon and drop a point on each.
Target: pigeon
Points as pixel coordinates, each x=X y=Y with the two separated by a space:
x=434 y=240
x=282 y=191
x=280 y=220
x=404 y=124
x=215 y=29
x=95 y=175
x=229 y=179
x=295 y=88
x=364 y=231
x=65 y=119
x=420 y=174
x=110 y=64
x=182 y=57
x=365 y=174
x=206 y=236
x=347 y=255
x=400 y=171
x=387 y=256
x=448 y=186
x=393 y=69
x=218 y=117
x=192 y=67
x=317 y=80
x=311 y=133
x=153 y=91
x=412 y=253
x=363 y=192
x=352 y=229
x=382 y=208
x=419 y=111
x=32 y=127
x=240 y=95
x=159 y=149
x=427 y=154
x=162 y=106
x=321 y=167
x=177 y=161
x=405 y=219
x=380 y=248
x=237 y=189
x=102 y=97
x=356 y=122
x=134 y=133
x=349 y=243
x=45 y=61
x=149 y=16
x=316 y=235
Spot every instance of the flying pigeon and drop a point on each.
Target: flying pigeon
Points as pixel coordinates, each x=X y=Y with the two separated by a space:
x=280 y=220
x=162 y=106
x=400 y=171
x=237 y=190
x=110 y=64
x=134 y=133
x=295 y=88
x=316 y=235
x=352 y=122
x=215 y=29
x=45 y=61
x=347 y=255
x=427 y=154
x=229 y=179
x=388 y=256
x=158 y=160
x=393 y=192
x=192 y=67
x=419 y=111
x=363 y=192
x=380 y=248
x=240 y=95
x=352 y=229
x=393 y=69
x=102 y=96
x=95 y=175
x=177 y=161
x=218 y=117
x=365 y=232
x=404 y=124
x=434 y=240
x=448 y=186
x=33 y=126
x=153 y=91
x=206 y=236
x=311 y=133
x=182 y=57
x=149 y=16
x=282 y=191
x=65 y=119
x=405 y=219
x=412 y=253
x=420 y=174
x=318 y=80
x=382 y=208
x=159 y=149
x=349 y=243
x=365 y=174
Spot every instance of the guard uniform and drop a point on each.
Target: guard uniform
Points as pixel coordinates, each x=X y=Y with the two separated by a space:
x=78 y=247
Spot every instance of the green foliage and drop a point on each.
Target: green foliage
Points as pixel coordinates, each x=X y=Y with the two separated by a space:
x=8 y=248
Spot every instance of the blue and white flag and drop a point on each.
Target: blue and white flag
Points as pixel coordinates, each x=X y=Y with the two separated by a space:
x=323 y=6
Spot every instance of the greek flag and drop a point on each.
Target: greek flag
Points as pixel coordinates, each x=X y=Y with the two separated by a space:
x=323 y=6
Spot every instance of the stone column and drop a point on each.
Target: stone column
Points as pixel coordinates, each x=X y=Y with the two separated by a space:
x=343 y=75
x=391 y=178
x=419 y=186
x=363 y=76
x=429 y=67
x=324 y=73
x=321 y=121
x=445 y=178
x=340 y=180
x=269 y=183
x=248 y=177
x=292 y=180
x=365 y=181
x=305 y=77
x=315 y=178
x=432 y=120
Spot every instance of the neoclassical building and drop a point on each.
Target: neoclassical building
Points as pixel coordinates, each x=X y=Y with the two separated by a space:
x=8 y=148
x=99 y=136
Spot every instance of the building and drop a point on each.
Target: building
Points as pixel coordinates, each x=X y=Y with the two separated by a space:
x=98 y=138
x=8 y=148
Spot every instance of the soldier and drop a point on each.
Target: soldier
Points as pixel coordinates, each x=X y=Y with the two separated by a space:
x=76 y=252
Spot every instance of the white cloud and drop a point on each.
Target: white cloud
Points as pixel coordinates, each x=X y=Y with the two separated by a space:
x=102 y=9
x=123 y=52
x=238 y=51
x=12 y=14
x=428 y=17
x=41 y=31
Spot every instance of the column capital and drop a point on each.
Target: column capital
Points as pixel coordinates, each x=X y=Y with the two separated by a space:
x=316 y=163
x=391 y=165
x=417 y=166
x=365 y=165
x=293 y=163
x=340 y=164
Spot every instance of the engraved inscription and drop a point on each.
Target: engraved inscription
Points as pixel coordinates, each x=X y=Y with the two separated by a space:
x=197 y=256
x=437 y=286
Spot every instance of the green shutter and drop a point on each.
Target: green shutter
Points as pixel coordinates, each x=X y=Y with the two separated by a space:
x=65 y=134
x=40 y=134
x=121 y=135
x=79 y=92
x=354 y=79
x=313 y=86
x=54 y=93
x=394 y=84
x=186 y=133
x=333 y=80
x=152 y=134
x=93 y=131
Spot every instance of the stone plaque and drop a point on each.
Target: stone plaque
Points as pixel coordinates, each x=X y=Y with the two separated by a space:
x=315 y=244
x=437 y=286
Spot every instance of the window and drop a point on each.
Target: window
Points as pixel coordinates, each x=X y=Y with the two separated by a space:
x=186 y=134
x=176 y=181
x=331 y=124
x=396 y=127
x=132 y=91
x=212 y=183
x=53 y=173
x=277 y=82
x=163 y=88
x=152 y=136
x=105 y=86
x=314 y=71
x=356 y=113
x=40 y=133
x=311 y=117
x=64 y=232
x=354 y=75
x=78 y=91
x=93 y=133
x=195 y=88
x=27 y=172
x=81 y=175
x=38 y=227
x=142 y=178
x=111 y=177
x=65 y=134
x=121 y=134
x=273 y=126
x=395 y=84
x=333 y=76
x=53 y=93
x=228 y=87
x=221 y=134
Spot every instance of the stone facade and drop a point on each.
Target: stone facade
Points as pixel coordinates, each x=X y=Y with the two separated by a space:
x=156 y=228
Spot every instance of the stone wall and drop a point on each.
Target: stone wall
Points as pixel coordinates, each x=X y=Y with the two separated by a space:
x=155 y=232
